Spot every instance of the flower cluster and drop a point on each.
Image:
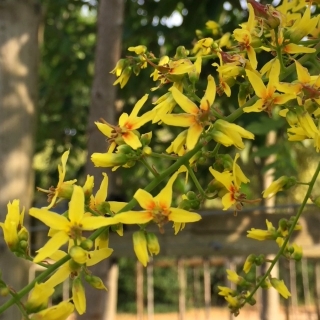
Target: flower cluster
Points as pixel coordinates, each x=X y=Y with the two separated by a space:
x=79 y=238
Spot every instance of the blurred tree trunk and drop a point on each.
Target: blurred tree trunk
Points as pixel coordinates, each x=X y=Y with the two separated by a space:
x=19 y=21
x=108 y=50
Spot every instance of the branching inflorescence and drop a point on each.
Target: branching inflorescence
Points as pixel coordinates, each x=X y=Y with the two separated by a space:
x=291 y=36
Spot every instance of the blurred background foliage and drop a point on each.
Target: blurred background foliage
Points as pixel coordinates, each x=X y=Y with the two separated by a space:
x=66 y=74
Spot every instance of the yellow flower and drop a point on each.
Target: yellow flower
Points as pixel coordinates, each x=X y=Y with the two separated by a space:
x=93 y=257
x=140 y=247
x=280 y=287
x=303 y=26
x=261 y=235
x=203 y=47
x=244 y=37
x=124 y=77
x=230 y=134
x=13 y=225
x=177 y=146
x=78 y=296
x=280 y=184
x=233 y=276
x=225 y=291
x=101 y=197
x=70 y=227
x=63 y=189
x=59 y=312
x=268 y=96
x=232 y=182
x=157 y=208
x=248 y=263
x=124 y=132
x=196 y=119
x=39 y=297
x=138 y=49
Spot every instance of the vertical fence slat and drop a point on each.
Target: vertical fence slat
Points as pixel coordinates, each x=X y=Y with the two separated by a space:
x=182 y=289
x=207 y=288
x=139 y=292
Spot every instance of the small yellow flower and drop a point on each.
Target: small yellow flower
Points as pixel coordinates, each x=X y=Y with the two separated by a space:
x=232 y=182
x=196 y=119
x=280 y=184
x=13 y=225
x=248 y=263
x=138 y=49
x=225 y=291
x=39 y=296
x=233 y=276
x=303 y=26
x=67 y=228
x=261 y=235
x=157 y=208
x=244 y=37
x=63 y=189
x=268 y=96
x=78 y=296
x=280 y=287
x=60 y=311
x=124 y=77
x=230 y=134
x=124 y=132
x=140 y=247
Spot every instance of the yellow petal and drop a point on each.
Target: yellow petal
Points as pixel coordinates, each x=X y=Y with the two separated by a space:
x=193 y=136
x=294 y=48
x=145 y=199
x=76 y=205
x=51 y=219
x=257 y=84
x=256 y=107
x=185 y=103
x=92 y=223
x=131 y=140
x=209 y=95
x=98 y=255
x=133 y=217
x=78 y=296
x=51 y=246
x=164 y=197
x=102 y=193
x=104 y=128
x=116 y=206
x=183 y=216
x=60 y=275
x=178 y=120
x=302 y=73
x=227 y=201
x=138 y=106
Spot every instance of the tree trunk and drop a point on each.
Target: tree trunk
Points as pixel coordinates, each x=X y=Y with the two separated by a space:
x=108 y=50
x=19 y=21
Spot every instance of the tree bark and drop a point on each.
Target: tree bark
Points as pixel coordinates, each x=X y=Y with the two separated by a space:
x=103 y=95
x=19 y=22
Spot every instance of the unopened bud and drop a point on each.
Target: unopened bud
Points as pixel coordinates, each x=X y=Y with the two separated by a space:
x=152 y=243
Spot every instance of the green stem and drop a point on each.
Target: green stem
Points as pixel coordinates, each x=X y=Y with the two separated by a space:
x=146 y=164
x=195 y=181
x=163 y=156
x=19 y=304
x=286 y=240
x=40 y=278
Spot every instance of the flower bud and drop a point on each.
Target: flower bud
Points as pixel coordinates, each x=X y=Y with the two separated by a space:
x=86 y=244
x=181 y=52
x=152 y=243
x=95 y=282
x=292 y=118
x=140 y=247
x=78 y=254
